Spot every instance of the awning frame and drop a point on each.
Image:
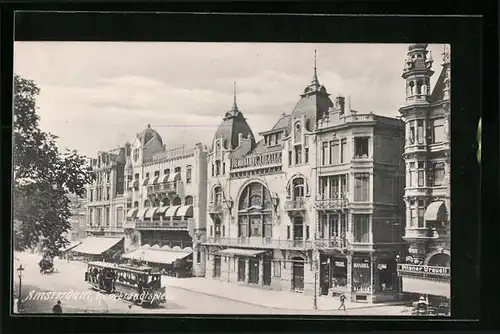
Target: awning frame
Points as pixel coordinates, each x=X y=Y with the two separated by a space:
x=151 y=212
x=133 y=211
x=174 y=177
x=172 y=210
x=434 y=211
x=240 y=252
x=141 y=212
x=183 y=211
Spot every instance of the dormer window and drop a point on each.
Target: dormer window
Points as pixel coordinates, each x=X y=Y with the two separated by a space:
x=136 y=154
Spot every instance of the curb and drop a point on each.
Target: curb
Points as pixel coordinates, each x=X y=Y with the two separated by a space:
x=280 y=308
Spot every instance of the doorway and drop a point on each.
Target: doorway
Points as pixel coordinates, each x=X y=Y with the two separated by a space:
x=298 y=274
x=241 y=269
x=217 y=266
x=324 y=276
x=267 y=272
x=298 y=231
x=253 y=274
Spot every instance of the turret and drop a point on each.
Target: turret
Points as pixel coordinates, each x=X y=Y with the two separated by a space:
x=417 y=73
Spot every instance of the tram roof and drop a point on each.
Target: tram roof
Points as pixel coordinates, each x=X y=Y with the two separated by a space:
x=127 y=268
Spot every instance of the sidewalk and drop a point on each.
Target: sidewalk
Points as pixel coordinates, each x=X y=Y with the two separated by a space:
x=281 y=300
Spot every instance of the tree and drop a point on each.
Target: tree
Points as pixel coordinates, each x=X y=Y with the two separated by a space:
x=43 y=177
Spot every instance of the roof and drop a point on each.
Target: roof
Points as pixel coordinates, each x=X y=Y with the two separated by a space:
x=95 y=245
x=283 y=122
x=233 y=124
x=147 y=134
x=314 y=104
x=438 y=92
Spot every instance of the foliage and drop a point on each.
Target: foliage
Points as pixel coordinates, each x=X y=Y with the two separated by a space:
x=479 y=139
x=43 y=177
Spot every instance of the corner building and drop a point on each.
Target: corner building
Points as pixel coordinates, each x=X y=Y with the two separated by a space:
x=426 y=268
x=314 y=205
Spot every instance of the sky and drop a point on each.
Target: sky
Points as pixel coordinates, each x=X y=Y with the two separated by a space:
x=97 y=96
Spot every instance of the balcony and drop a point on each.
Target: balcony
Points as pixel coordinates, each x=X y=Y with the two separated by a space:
x=216 y=207
x=332 y=243
x=257 y=160
x=266 y=243
x=417 y=233
x=332 y=203
x=164 y=187
x=298 y=204
x=162 y=225
x=129 y=224
x=442 y=274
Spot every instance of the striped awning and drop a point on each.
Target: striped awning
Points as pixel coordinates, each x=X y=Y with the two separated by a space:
x=154 y=180
x=95 y=245
x=171 y=211
x=145 y=182
x=134 y=184
x=162 y=209
x=141 y=212
x=150 y=212
x=185 y=211
x=156 y=255
x=165 y=178
x=132 y=212
x=436 y=211
x=174 y=177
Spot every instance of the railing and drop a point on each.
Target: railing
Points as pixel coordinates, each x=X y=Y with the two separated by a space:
x=161 y=224
x=162 y=187
x=335 y=242
x=216 y=207
x=417 y=233
x=129 y=224
x=331 y=203
x=295 y=204
x=425 y=272
x=349 y=118
x=256 y=160
x=259 y=242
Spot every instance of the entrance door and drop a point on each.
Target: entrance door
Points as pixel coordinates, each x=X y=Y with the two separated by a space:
x=267 y=272
x=217 y=266
x=254 y=271
x=324 y=277
x=298 y=275
x=241 y=269
x=298 y=231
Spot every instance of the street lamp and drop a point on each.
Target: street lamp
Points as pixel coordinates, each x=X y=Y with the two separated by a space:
x=19 y=299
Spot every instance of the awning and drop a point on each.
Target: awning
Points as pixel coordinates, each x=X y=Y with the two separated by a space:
x=95 y=245
x=162 y=209
x=174 y=177
x=132 y=212
x=70 y=246
x=171 y=211
x=141 y=212
x=185 y=211
x=436 y=211
x=150 y=212
x=134 y=184
x=156 y=255
x=154 y=180
x=240 y=252
x=145 y=182
x=165 y=178
x=426 y=287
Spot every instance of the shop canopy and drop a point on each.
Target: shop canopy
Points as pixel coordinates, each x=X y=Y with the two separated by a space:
x=132 y=212
x=96 y=245
x=162 y=209
x=174 y=177
x=150 y=212
x=141 y=212
x=436 y=211
x=172 y=210
x=134 y=184
x=154 y=180
x=185 y=211
x=145 y=182
x=156 y=255
x=70 y=246
x=240 y=252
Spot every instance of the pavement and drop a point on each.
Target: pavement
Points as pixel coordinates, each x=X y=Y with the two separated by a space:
x=184 y=296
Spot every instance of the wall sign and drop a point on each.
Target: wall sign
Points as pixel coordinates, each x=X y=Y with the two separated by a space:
x=424 y=269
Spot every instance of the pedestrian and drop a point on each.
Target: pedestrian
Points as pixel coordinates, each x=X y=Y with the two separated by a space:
x=57 y=308
x=342 y=302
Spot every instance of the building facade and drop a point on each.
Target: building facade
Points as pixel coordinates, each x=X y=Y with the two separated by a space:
x=425 y=269
x=167 y=202
x=78 y=219
x=313 y=207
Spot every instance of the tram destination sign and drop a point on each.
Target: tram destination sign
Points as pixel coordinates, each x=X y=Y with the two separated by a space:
x=424 y=269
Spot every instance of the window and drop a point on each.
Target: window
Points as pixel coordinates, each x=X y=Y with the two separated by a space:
x=241 y=269
x=289 y=158
x=254 y=211
x=324 y=153
x=106 y=217
x=213 y=170
x=157 y=173
x=361 y=187
x=92 y=195
x=306 y=155
x=147 y=175
x=223 y=230
x=412 y=180
x=198 y=257
x=91 y=217
x=421 y=212
x=217 y=167
x=421 y=174
x=188 y=200
x=119 y=217
x=218 y=195
x=211 y=230
x=411 y=134
x=136 y=204
x=136 y=154
x=361 y=228
x=177 y=170
x=276 y=139
x=298 y=154
x=307 y=232
x=437 y=131
x=343 y=151
x=188 y=174
x=223 y=168
x=334 y=152
x=136 y=176
x=288 y=232
x=420 y=131
x=361 y=147
x=413 y=214
x=437 y=174
x=166 y=172
x=277 y=268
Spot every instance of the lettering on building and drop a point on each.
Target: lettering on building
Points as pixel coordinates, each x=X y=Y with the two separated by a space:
x=257 y=160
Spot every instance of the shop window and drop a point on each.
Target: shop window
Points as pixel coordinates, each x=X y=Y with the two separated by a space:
x=338 y=273
x=241 y=269
x=361 y=228
x=361 y=275
x=361 y=147
x=387 y=275
x=253 y=274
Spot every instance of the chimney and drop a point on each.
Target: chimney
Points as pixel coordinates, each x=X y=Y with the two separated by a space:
x=340 y=103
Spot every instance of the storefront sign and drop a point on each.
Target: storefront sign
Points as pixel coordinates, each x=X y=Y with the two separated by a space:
x=257 y=160
x=424 y=269
x=339 y=264
x=362 y=265
x=382 y=266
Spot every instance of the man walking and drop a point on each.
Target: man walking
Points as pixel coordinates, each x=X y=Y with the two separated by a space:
x=342 y=302
x=57 y=308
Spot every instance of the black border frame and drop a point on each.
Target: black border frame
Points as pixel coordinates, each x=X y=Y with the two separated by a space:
x=475 y=85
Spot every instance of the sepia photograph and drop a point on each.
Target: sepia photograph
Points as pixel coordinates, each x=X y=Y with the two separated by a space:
x=231 y=178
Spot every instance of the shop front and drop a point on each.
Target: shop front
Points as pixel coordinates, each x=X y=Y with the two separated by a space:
x=362 y=278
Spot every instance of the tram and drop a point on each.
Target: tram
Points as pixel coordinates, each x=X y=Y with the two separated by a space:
x=141 y=285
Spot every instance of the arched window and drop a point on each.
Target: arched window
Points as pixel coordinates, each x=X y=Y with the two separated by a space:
x=146 y=203
x=188 y=200
x=254 y=212
x=166 y=201
x=412 y=88
x=136 y=204
x=439 y=260
x=157 y=202
x=298 y=188
x=136 y=154
x=217 y=195
x=419 y=87
x=177 y=201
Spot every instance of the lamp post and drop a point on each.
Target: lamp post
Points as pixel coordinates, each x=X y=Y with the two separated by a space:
x=19 y=299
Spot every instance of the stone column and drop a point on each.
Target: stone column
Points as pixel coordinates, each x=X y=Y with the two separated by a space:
x=247 y=270
x=261 y=271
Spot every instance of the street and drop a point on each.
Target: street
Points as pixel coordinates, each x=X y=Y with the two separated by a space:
x=69 y=277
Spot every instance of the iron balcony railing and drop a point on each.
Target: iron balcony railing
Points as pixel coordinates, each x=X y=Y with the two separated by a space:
x=333 y=242
x=331 y=203
x=216 y=207
x=424 y=272
x=164 y=187
x=259 y=242
x=295 y=204
x=161 y=224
